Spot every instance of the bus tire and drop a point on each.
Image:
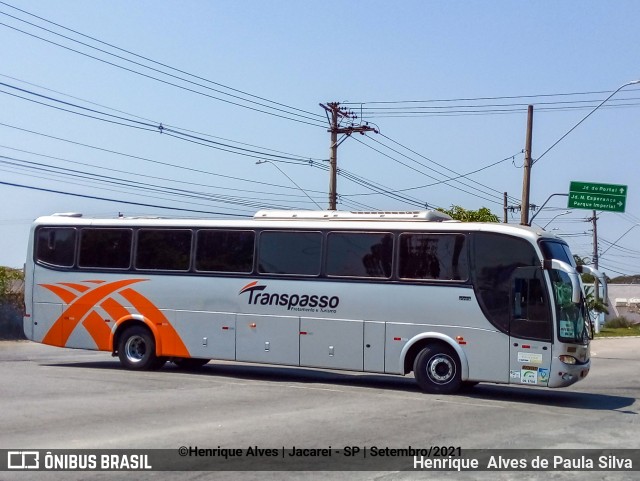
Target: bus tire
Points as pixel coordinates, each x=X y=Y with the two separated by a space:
x=189 y=363
x=468 y=385
x=437 y=370
x=137 y=350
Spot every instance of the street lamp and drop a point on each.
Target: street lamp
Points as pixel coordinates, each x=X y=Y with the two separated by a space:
x=292 y=181
x=561 y=213
x=633 y=82
x=614 y=243
x=542 y=206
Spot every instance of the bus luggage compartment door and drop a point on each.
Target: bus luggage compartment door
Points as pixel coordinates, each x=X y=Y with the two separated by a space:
x=268 y=339
x=209 y=335
x=334 y=344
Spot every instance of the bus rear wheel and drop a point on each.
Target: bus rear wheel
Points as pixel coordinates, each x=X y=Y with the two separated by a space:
x=437 y=370
x=137 y=350
x=188 y=363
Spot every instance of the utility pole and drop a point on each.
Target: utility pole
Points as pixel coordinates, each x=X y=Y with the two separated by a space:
x=337 y=114
x=596 y=284
x=505 y=208
x=594 y=219
x=526 y=180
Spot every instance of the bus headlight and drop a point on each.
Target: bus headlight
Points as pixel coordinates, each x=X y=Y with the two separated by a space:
x=568 y=359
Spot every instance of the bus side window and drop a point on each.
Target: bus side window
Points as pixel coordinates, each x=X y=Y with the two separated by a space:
x=56 y=246
x=105 y=248
x=224 y=250
x=287 y=252
x=433 y=256
x=359 y=254
x=163 y=249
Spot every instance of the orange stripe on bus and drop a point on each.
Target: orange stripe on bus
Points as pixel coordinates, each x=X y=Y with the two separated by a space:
x=170 y=342
x=66 y=296
x=77 y=287
x=79 y=308
x=115 y=310
x=98 y=329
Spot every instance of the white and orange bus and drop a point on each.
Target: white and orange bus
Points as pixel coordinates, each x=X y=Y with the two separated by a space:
x=383 y=292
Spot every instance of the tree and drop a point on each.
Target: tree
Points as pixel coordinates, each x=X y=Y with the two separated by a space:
x=8 y=278
x=481 y=215
x=594 y=305
x=581 y=261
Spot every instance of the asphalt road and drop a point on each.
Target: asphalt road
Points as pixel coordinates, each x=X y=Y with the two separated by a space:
x=52 y=398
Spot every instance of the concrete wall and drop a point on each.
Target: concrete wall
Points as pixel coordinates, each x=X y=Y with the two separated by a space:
x=624 y=300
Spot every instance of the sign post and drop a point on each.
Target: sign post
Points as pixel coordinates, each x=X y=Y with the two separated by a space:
x=591 y=196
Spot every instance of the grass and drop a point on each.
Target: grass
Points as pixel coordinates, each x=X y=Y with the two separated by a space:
x=619 y=331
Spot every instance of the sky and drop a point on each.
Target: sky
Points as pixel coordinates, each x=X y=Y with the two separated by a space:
x=164 y=108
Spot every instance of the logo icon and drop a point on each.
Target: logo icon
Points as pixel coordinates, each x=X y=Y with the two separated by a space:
x=251 y=287
x=23 y=460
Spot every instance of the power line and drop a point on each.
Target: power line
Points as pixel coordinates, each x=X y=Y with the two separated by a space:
x=463 y=113
x=617 y=247
x=205 y=142
x=633 y=82
x=378 y=188
x=157 y=162
x=382 y=190
x=438 y=181
x=200 y=141
x=62 y=178
x=436 y=108
x=446 y=180
x=160 y=80
x=41 y=189
x=158 y=63
x=603 y=267
x=313 y=114
x=155 y=122
x=143 y=125
x=446 y=168
x=111 y=169
x=145 y=186
x=420 y=172
x=472 y=99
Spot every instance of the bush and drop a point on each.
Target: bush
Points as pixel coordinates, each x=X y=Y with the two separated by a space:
x=11 y=293
x=10 y=321
x=618 y=322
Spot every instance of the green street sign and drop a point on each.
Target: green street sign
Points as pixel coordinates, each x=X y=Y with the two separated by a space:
x=587 y=195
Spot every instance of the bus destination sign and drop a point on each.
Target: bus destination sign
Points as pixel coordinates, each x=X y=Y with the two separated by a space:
x=588 y=195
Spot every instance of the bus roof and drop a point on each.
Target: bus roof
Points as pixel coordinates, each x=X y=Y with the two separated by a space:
x=337 y=215
x=338 y=220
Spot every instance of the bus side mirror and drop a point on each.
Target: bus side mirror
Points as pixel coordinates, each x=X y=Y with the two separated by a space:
x=600 y=276
x=576 y=289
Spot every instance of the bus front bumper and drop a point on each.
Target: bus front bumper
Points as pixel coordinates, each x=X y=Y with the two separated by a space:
x=563 y=375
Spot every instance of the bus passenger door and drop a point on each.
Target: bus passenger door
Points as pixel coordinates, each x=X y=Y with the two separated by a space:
x=530 y=328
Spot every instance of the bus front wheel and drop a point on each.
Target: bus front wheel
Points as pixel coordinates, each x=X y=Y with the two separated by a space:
x=137 y=350
x=437 y=370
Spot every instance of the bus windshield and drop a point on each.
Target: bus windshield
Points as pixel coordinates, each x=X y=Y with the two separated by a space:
x=572 y=320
